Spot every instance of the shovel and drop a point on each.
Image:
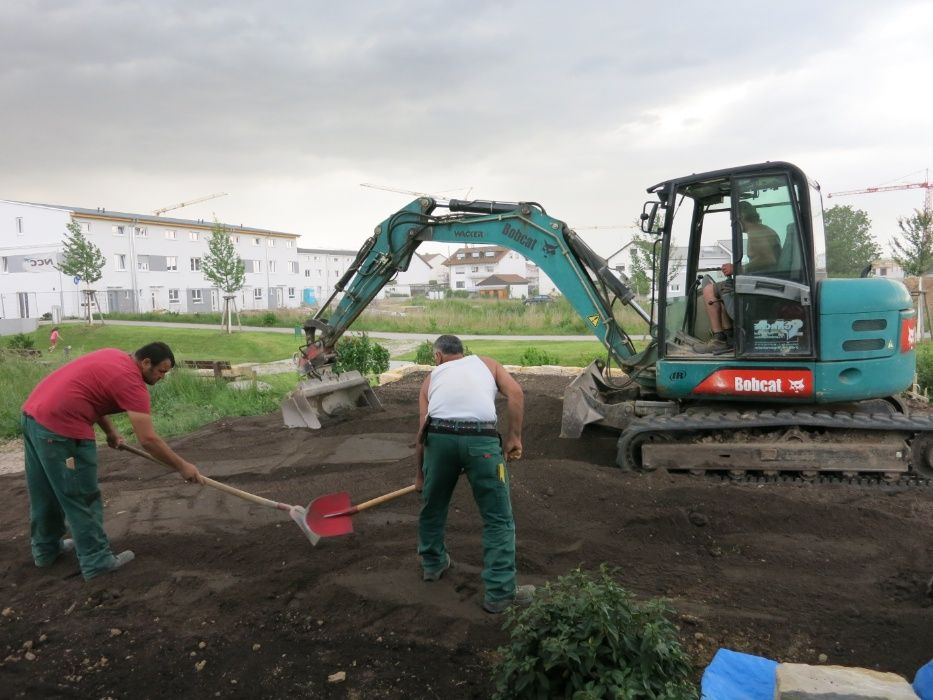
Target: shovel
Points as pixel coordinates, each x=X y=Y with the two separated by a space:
x=329 y=516
x=296 y=513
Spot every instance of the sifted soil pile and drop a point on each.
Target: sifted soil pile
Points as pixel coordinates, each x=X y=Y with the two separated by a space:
x=226 y=599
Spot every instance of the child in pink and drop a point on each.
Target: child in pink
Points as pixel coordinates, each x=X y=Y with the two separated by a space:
x=54 y=338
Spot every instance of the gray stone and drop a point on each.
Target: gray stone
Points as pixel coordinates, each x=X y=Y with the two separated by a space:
x=804 y=682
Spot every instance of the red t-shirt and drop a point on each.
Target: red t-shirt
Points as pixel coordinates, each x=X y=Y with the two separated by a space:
x=73 y=398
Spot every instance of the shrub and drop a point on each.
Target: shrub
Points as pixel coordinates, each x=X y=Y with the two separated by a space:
x=587 y=637
x=425 y=354
x=361 y=354
x=925 y=366
x=535 y=356
x=47 y=316
x=269 y=319
x=21 y=341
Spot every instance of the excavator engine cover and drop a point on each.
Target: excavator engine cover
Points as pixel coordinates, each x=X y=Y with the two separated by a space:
x=329 y=395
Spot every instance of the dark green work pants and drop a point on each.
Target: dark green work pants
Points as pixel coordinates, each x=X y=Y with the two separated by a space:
x=61 y=490
x=480 y=457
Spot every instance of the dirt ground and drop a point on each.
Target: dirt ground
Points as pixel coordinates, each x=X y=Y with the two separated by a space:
x=226 y=599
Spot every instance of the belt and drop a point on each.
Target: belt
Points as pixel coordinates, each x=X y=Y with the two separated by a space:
x=463 y=427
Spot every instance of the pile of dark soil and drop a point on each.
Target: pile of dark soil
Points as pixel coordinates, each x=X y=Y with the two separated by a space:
x=227 y=599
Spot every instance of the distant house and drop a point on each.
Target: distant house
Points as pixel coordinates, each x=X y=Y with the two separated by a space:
x=504 y=286
x=471 y=265
x=425 y=273
x=886 y=267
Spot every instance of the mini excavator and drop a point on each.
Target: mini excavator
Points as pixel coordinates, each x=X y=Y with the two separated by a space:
x=810 y=384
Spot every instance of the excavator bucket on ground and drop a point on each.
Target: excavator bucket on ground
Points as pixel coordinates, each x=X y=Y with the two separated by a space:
x=591 y=399
x=328 y=395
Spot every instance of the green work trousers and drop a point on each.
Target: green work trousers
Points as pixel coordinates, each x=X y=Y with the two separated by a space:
x=480 y=457
x=61 y=475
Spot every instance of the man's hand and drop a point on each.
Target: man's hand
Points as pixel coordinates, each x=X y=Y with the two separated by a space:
x=513 y=448
x=727 y=269
x=114 y=440
x=190 y=473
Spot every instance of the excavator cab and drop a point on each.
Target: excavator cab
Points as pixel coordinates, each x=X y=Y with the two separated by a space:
x=756 y=222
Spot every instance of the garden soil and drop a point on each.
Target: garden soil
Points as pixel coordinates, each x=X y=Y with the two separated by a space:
x=227 y=599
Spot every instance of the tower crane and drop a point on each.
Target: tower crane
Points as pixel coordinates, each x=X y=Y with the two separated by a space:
x=159 y=212
x=925 y=185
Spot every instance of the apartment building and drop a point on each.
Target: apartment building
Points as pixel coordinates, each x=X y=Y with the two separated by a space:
x=320 y=270
x=153 y=263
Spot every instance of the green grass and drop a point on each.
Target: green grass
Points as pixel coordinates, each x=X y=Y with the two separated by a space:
x=569 y=353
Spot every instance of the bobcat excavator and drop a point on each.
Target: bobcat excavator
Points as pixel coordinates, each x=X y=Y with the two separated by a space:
x=810 y=384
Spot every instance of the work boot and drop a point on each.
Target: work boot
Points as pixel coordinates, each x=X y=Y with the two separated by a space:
x=719 y=344
x=436 y=575
x=64 y=546
x=523 y=597
x=121 y=559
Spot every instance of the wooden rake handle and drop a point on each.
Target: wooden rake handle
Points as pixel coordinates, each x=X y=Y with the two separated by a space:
x=352 y=510
x=246 y=496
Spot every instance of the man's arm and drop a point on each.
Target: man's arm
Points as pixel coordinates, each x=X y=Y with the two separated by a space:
x=114 y=439
x=157 y=447
x=515 y=397
x=422 y=425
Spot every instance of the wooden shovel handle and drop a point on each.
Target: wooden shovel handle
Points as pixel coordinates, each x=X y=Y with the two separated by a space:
x=246 y=496
x=382 y=499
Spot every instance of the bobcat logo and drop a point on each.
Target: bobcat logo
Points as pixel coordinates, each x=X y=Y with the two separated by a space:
x=796 y=385
x=549 y=249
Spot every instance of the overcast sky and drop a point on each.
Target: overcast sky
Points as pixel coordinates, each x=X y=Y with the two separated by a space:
x=580 y=106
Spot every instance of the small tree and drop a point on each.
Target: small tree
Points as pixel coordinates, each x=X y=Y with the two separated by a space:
x=223 y=267
x=82 y=258
x=912 y=249
x=850 y=247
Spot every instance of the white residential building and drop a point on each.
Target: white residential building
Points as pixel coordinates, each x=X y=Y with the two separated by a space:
x=471 y=265
x=321 y=269
x=152 y=263
x=426 y=273
x=886 y=267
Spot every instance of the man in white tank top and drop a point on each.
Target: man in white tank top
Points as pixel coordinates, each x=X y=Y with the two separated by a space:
x=458 y=434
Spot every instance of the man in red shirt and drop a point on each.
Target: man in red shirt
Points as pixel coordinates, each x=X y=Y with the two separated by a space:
x=61 y=452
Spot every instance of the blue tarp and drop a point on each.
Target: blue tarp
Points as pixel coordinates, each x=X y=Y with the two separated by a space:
x=732 y=675
x=923 y=682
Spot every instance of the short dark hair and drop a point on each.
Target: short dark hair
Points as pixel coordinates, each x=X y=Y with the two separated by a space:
x=156 y=353
x=449 y=345
x=748 y=212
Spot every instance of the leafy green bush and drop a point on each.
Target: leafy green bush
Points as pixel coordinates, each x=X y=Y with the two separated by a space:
x=269 y=319
x=362 y=354
x=21 y=341
x=534 y=356
x=425 y=354
x=587 y=637
x=925 y=366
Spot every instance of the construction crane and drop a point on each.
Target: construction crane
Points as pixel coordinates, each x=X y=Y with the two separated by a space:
x=412 y=192
x=925 y=185
x=159 y=212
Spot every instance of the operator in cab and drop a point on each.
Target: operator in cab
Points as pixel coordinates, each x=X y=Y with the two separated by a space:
x=763 y=246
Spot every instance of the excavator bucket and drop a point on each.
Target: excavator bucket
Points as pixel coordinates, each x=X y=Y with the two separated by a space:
x=329 y=395
x=590 y=399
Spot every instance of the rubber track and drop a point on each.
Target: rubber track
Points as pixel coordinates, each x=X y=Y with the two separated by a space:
x=696 y=421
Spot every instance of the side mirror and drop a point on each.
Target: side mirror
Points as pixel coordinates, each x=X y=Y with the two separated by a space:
x=649 y=217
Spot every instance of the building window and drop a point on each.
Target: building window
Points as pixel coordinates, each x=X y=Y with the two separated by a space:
x=460 y=256
x=85 y=227
x=173 y=296
x=257 y=293
x=170 y=235
x=272 y=266
x=289 y=244
x=141 y=232
x=291 y=292
x=194 y=236
x=459 y=271
x=257 y=241
x=142 y=262
x=3 y=265
x=19 y=225
x=675 y=287
x=120 y=261
x=490 y=268
x=475 y=268
x=272 y=243
x=171 y=263
x=489 y=253
x=882 y=272
x=307 y=273
x=474 y=255
x=196 y=296
x=235 y=239
x=195 y=264
x=320 y=271
x=293 y=267
x=257 y=265
x=461 y=285
x=118 y=230
x=336 y=260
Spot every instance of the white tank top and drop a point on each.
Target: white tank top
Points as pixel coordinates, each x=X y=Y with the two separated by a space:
x=462 y=389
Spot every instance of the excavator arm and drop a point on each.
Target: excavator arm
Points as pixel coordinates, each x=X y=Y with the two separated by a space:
x=581 y=275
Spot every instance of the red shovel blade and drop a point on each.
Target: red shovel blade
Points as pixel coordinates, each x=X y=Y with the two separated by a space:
x=324 y=506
